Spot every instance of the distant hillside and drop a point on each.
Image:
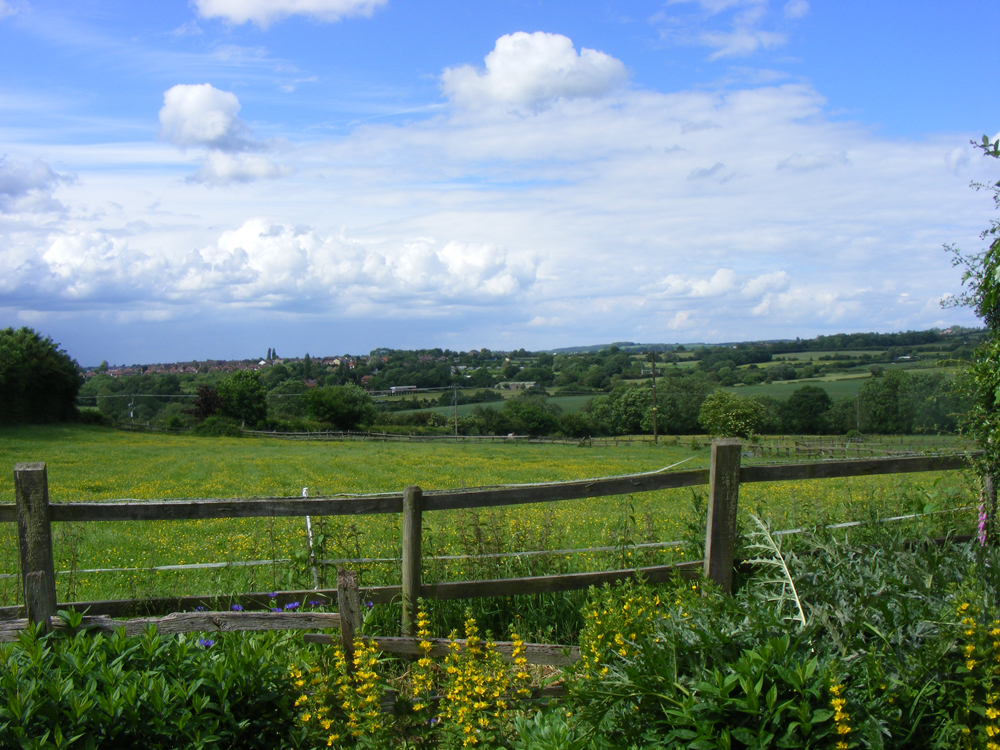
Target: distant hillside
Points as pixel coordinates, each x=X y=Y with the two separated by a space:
x=835 y=342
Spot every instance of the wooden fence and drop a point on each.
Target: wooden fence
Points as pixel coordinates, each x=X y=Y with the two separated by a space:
x=34 y=515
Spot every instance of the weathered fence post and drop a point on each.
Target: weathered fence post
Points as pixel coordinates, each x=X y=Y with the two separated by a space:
x=412 y=502
x=723 y=496
x=349 y=606
x=34 y=531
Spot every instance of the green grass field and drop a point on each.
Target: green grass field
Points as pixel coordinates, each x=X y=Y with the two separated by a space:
x=90 y=463
x=838 y=387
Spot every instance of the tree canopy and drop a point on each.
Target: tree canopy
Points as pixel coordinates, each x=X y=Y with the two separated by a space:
x=38 y=380
x=243 y=398
x=345 y=407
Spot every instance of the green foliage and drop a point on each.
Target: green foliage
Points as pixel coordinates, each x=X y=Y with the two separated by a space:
x=886 y=406
x=900 y=649
x=38 y=380
x=243 y=398
x=218 y=427
x=549 y=730
x=91 y=416
x=97 y=691
x=981 y=277
x=806 y=410
x=728 y=415
x=345 y=407
x=287 y=400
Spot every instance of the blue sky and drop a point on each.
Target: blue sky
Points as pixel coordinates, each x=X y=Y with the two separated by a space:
x=213 y=178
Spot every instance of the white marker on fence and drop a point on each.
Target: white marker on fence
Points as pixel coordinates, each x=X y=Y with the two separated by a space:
x=309 y=533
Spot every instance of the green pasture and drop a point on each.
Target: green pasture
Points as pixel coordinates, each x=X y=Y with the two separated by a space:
x=568 y=404
x=91 y=463
x=838 y=387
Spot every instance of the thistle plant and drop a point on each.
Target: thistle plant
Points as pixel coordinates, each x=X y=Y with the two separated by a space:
x=778 y=585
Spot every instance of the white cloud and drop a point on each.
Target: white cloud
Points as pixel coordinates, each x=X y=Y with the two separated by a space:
x=265 y=12
x=530 y=70
x=202 y=115
x=6 y=9
x=742 y=40
x=28 y=187
x=742 y=32
x=796 y=8
x=266 y=265
x=220 y=168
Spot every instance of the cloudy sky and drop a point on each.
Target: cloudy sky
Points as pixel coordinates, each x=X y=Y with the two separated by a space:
x=207 y=179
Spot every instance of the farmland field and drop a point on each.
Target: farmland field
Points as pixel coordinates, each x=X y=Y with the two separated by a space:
x=88 y=463
x=836 y=387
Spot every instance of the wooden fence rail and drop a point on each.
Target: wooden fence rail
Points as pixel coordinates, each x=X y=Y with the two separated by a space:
x=34 y=515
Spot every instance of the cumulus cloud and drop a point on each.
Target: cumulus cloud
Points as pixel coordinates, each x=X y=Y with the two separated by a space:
x=266 y=265
x=6 y=9
x=202 y=115
x=530 y=70
x=265 y=12
x=28 y=187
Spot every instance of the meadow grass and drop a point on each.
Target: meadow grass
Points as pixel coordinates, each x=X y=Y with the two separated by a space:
x=91 y=463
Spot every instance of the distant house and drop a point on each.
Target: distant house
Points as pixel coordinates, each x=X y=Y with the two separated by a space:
x=517 y=385
x=402 y=388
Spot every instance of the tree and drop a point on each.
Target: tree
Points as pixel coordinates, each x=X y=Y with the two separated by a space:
x=345 y=407
x=886 y=403
x=207 y=403
x=243 y=398
x=38 y=380
x=981 y=277
x=727 y=415
x=806 y=410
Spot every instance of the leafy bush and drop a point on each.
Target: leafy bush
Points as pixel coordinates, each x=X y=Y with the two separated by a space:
x=92 y=416
x=345 y=407
x=96 y=691
x=726 y=414
x=218 y=427
x=900 y=648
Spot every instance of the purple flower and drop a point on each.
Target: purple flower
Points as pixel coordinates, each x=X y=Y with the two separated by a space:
x=199 y=609
x=273 y=595
x=369 y=604
x=314 y=603
x=982 y=525
x=236 y=608
x=275 y=609
x=206 y=642
x=291 y=605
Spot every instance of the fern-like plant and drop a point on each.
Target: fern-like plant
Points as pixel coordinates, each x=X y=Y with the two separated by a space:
x=777 y=584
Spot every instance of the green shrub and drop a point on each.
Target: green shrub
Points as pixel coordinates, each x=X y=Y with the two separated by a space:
x=900 y=648
x=97 y=691
x=218 y=427
x=92 y=416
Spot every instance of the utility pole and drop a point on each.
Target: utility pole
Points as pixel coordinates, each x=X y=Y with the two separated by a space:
x=454 y=388
x=656 y=437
